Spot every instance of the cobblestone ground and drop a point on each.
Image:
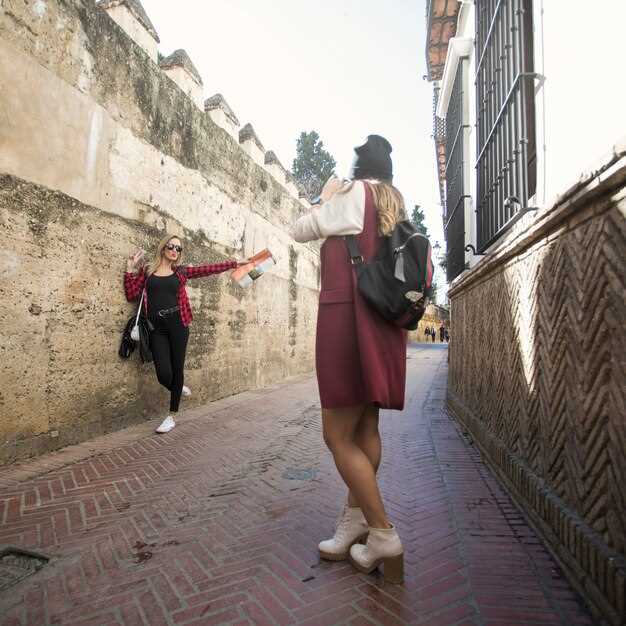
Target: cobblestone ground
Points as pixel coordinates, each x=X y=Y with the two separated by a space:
x=218 y=522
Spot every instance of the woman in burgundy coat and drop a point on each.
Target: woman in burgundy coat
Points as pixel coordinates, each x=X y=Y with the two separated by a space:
x=360 y=357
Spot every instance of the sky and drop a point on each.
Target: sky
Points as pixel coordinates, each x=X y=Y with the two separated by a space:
x=345 y=68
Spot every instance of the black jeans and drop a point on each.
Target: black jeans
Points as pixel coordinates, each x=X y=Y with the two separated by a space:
x=168 y=342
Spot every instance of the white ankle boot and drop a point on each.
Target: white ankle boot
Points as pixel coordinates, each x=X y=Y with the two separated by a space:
x=351 y=528
x=383 y=546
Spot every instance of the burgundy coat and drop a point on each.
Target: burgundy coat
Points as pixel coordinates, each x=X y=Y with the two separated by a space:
x=360 y=357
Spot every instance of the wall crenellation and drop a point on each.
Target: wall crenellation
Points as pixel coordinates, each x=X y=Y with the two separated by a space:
x=155 y=118
x=133 y=19
x=180 y=58
x=179 y=67
x=135 y=8
x=221 y=113
x=219 y=102
x=275 y=167
x=252 y=145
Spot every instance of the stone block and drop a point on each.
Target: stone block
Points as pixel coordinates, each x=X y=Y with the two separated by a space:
x=275 y=167
x=221 y=113
x=181 y=70
x=252 y=145
x=133 y=19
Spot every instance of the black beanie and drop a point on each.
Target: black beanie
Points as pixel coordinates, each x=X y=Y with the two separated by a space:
x=372 y=159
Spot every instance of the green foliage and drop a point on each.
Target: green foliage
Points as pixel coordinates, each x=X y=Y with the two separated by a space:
x=418 y=218
x=313 y=165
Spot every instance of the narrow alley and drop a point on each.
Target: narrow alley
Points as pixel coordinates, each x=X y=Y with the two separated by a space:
x=218 y=523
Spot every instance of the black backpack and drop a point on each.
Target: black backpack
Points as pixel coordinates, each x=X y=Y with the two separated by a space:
x=398 y=281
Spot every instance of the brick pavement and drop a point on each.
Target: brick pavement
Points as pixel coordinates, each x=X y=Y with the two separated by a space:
x=218 y=522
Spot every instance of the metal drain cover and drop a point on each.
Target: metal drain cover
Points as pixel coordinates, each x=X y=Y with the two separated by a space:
x=17 y=564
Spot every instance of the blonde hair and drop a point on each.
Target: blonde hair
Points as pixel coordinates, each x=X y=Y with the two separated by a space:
x=156 y=260
x=388 y=201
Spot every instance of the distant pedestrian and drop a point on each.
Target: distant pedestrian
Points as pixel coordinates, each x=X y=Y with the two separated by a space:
x=442 y=333
x=427 y=333
x=447 y=336
x=433 y=334
x=360 y=357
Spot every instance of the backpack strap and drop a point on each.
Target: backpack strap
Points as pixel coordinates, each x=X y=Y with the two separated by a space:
x=356 y=258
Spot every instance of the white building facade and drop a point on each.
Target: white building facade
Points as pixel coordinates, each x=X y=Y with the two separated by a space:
x=528 y=96
x=529 y=133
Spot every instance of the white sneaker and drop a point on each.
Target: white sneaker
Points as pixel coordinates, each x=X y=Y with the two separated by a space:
x=383 y=546
x=351 y=527
x=166 y=425
x=186 y=391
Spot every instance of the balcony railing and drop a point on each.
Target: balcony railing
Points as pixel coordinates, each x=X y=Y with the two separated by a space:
x=456 y=183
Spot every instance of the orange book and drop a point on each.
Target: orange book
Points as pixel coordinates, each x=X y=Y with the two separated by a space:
x=260 y=263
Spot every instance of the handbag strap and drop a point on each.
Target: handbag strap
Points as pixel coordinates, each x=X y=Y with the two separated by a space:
x=356 y=258
x=139 y=307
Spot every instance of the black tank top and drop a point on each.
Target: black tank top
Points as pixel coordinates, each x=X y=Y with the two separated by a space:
x=162 y=292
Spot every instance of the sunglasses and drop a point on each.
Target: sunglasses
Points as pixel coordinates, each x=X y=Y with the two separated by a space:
x=171 y=246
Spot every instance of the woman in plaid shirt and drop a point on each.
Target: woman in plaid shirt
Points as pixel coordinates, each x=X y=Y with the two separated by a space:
x=166 y=304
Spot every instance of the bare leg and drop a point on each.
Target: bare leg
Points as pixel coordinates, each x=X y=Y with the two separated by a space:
x=357 y=471
x=367 y=438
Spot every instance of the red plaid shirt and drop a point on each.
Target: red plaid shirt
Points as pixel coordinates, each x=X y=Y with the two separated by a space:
x=134 y=284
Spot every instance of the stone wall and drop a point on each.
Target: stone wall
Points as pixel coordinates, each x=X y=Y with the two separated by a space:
x=538 y=371
x=101 y=151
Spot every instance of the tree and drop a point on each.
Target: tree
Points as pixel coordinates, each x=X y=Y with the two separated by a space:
x=418 y=218
x=313 y=165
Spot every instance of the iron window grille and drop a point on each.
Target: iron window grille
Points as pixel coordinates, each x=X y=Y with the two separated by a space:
x=507 y=157
x=456 y=180
x=439 y=137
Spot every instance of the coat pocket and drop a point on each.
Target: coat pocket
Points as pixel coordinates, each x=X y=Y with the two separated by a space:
x=336 y=296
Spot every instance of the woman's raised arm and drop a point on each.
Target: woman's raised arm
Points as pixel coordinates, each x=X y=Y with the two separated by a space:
x=133 y=283
x=208 y=269
x=342 y=214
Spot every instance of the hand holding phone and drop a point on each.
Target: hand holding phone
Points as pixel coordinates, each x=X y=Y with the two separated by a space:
x=332 y=186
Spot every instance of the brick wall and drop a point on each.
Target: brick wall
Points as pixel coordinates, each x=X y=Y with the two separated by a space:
x=537 y=371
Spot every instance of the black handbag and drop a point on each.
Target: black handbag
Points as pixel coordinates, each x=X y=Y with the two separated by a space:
x=398 y=281
x=128 y=344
